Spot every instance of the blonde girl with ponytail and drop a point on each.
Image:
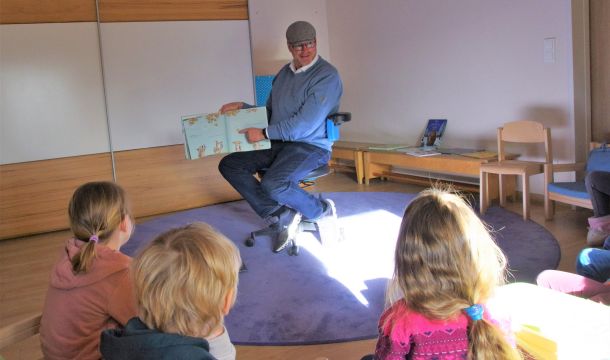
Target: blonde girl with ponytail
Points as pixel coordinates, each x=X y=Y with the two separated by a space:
x=90 y=288
x=446 y=269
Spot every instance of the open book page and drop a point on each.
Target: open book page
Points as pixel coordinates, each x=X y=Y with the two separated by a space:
x=204 y=134
x=245 y=118
x=215 y=133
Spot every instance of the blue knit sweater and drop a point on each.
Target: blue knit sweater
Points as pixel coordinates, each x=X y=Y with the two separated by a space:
x=300 y=103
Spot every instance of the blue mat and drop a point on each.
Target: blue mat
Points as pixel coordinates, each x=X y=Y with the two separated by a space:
x=334 y=293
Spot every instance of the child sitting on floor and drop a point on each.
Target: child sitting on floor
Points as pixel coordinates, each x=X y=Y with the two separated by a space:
x=592 y=278
x=185 y=282
x=592 y=264
x=90 y=288
x=446 y=268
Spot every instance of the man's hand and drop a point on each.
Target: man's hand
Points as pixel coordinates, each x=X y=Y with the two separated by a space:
x=253 y=134
x=231 y=106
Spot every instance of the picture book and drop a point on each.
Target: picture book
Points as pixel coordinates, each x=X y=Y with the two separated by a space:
x=215 y=133
x=433 y=132
x=420 y=151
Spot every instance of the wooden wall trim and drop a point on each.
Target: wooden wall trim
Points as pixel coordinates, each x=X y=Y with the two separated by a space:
x=34 y=195
x=160 y=180
x=46 y=11
x=172 y=10
x=600 y=69
x=61 y=11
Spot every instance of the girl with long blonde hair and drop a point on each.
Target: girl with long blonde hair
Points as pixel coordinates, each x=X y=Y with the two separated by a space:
x=446 y=268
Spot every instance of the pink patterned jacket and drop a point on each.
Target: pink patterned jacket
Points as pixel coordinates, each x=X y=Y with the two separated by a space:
x=406 y=334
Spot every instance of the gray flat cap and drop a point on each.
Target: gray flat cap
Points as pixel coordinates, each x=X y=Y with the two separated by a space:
x=299 y=32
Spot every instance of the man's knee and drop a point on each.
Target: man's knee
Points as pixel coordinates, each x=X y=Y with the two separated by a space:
x=274 y=187
x=223 y=167
x=227 y=164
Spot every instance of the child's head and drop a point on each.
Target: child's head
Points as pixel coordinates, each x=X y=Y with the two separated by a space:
x=445 y=255
x=186 y=280
x=446 y=261
x=97 y=211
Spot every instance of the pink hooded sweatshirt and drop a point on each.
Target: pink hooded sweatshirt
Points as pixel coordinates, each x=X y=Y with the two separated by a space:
x=78 y=307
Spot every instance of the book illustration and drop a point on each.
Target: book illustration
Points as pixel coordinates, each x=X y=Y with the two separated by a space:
x=201 y=151
x=433 y=132
x=218 y=147
x=215 y=133
x=420 y=151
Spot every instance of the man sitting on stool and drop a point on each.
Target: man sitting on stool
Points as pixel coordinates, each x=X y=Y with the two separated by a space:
x=303 y=94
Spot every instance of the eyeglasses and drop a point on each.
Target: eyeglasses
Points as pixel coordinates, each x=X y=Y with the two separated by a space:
x=306 y=45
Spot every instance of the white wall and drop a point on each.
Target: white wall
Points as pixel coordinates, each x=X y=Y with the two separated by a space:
x=51 y=94
x=269 y=20
x=478 y=63
x=157 y=72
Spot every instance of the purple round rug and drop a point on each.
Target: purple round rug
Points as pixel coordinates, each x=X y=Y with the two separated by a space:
x=335 y=292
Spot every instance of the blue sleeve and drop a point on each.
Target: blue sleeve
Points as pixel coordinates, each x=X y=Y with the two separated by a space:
x=322 y=98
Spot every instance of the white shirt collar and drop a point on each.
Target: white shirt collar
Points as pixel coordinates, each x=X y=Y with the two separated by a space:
x=303 y=68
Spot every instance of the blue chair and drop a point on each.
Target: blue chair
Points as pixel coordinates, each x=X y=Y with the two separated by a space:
x=575 y=192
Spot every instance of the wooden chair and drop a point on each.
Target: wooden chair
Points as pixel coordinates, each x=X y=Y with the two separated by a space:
x=19 y=331
x=526 y=132
x=575 y=192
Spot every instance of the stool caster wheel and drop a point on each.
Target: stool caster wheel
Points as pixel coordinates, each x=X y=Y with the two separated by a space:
x=293 y=250
x=249 y=241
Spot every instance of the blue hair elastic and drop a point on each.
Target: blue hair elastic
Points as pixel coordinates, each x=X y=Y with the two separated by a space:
x=475 y=312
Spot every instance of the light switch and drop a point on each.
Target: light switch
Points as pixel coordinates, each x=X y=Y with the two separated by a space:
x=549 y=50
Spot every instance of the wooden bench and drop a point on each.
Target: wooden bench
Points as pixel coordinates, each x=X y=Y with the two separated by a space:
x=352 y=151
x=460 y=170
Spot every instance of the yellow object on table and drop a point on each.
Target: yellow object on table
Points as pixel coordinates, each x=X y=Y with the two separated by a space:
x=552 y=325
x=482 y=154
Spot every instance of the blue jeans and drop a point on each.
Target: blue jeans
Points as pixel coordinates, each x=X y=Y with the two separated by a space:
x=595 y=263
x=285 y=164
x=598 y=187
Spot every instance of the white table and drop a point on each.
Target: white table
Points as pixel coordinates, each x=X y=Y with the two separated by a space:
x=575 y=328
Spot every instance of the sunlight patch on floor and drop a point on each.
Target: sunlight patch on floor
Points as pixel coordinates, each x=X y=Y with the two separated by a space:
x=366 y=252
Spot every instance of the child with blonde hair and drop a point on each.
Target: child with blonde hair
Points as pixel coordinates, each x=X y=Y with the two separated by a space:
x=446 y=268
x=90 y=288
x=185 y=282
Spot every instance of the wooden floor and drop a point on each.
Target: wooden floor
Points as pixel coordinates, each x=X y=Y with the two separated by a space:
x=25 y=264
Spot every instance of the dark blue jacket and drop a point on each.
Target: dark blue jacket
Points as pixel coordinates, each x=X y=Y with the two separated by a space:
x=136 y=341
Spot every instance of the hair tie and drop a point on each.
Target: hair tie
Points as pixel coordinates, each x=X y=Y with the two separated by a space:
x=475 y=312
x=94 y=238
